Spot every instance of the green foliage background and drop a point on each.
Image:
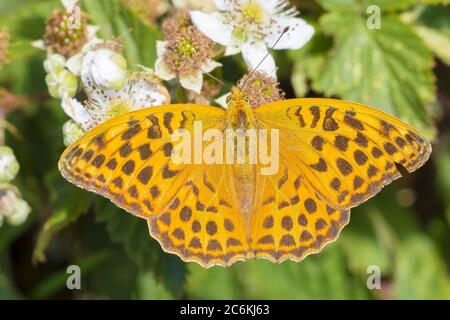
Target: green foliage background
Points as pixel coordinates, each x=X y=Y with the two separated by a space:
x=403 y=68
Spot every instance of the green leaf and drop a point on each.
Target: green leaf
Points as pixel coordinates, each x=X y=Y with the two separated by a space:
x=419 y=268
x=7 y=289
x=25 y=21
x=68 y=203
x=306 y=280
x=133 y=233
x=421 y=273
x=213 y=283
x=432 y=24
x=116 y=20
x=361 y=5
x=55 y=282
x=364 y=244
x=308 y=61
x=150 y=289
x=390 y=68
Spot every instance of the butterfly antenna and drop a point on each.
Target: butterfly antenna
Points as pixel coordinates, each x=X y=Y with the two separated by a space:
x=199 y=68
x=262 y=60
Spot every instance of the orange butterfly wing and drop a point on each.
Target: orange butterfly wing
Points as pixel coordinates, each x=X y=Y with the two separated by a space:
x=347 y=151
x=128 y=160
x=334 y=155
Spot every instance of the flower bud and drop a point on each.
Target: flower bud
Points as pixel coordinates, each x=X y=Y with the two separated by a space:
x=12 y=207
x=71 y=132
x=60 y=82
x=104 y=68
x=54 y=62
x=66 y=32
x=9 y=167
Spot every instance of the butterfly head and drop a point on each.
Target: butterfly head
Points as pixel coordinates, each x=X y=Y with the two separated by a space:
x=237 y=96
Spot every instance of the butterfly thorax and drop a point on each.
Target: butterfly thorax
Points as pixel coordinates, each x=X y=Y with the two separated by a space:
x=239 y=112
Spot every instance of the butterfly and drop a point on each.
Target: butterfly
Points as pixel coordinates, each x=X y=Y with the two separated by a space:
x=333 y=155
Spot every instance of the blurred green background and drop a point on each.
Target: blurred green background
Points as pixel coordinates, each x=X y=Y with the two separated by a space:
x=402 y=68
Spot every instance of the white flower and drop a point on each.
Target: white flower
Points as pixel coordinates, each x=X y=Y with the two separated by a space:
x=104 y=68
x=251 y=26
x=60 y=81
x=9 y=167
x=53 y=62
x=71 y=132
x=74 y=63
x=12 y=206
x=139 y=91
x=191 y=80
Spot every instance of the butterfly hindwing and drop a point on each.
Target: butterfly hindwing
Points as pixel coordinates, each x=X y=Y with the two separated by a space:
x=201 y=223
x=292 y=220
x=346 y=151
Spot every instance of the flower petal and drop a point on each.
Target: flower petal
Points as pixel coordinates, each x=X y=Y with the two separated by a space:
x=71 y=132
x=39 y=44
x=162 y=71
x=54 y=62
x=271 y=6
x=210 y=65
x=223 y=5
x=21 y=210
x=92 y=35
x=212 y=26
x=193 y=82
x=254 y=53
x=145 y=93
x=233 y=49
x=222 y=100
x=74 y=63
x=299 y=33
x=161 y=48
x=69 y=4
x=108 y=69
x=78 y=112
x=9 y=167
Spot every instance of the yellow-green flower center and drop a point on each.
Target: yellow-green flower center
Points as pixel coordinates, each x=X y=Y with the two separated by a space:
x=188 y=51
x=261 y=89
x=252 y=12
x=66 y=33
x=118 y=107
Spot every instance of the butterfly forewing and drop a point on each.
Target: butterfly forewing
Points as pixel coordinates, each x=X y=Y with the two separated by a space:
x=128 y=160
x=346 y=152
